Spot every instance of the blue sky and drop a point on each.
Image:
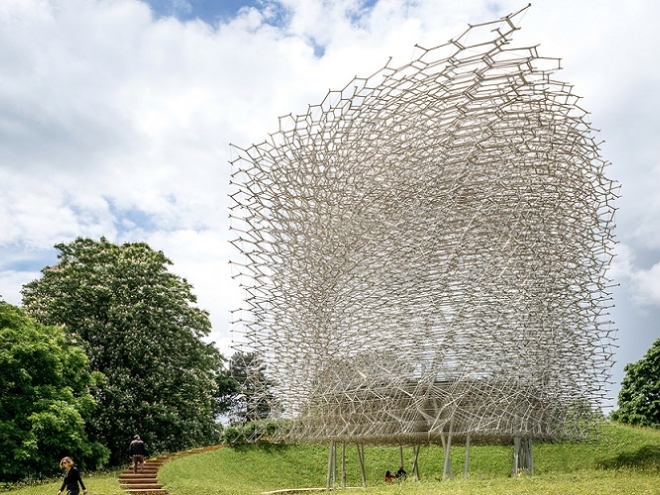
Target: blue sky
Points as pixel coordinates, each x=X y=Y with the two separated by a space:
x=215 y=11
x=116 y=119
x=210 y=11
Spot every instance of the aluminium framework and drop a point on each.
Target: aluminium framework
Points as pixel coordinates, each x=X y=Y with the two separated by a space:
x=425 y=252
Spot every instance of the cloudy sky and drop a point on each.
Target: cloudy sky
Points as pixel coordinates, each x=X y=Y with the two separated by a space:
x=116 y=118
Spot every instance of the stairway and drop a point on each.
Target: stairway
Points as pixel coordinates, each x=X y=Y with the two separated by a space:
x=145 y=482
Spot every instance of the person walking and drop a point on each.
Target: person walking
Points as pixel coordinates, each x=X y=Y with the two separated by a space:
x=71 y=478
x=137 y=452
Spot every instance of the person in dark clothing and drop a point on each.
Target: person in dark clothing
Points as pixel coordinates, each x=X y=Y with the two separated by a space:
x=71 y=478
x=137 y=453
x=400 y=474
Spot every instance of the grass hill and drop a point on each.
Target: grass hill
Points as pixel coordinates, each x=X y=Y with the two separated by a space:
x=620 y=460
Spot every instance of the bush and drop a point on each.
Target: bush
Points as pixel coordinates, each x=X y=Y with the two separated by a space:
x=45 y=399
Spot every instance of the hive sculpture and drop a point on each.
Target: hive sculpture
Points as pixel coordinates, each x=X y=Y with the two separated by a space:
x=424 y=253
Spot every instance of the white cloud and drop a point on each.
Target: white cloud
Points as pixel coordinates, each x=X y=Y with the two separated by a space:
x=11 y=282
x=648 y=285
x=108 y=113
x=641 y=284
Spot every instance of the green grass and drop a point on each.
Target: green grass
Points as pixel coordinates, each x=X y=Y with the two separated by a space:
x=102 y=483
x=622 y=460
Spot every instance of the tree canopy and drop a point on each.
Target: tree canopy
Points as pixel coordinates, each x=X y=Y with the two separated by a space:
x=141 y=328
x=639 y=398
x=253 y=399
x=44 y=399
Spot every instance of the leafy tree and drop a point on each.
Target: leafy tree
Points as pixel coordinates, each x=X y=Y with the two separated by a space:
x=141 y=329
x=226 y=394
x=639 y=398
x=254 y=399
x=44 y=399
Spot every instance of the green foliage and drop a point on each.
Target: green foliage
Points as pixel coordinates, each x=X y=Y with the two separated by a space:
x=233 y=435
x=141 y=329
x=44 y=399
x=253 y=400
x=251 y=432
x=639 y=398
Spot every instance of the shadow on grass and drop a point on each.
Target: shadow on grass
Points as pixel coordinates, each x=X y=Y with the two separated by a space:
x=647 y=456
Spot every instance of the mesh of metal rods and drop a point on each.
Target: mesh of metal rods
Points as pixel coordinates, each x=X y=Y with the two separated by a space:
x=426 y=251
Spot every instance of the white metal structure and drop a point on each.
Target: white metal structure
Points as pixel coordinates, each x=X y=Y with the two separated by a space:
x=424 y=253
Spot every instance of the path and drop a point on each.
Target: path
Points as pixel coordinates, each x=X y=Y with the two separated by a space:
x=145 y=482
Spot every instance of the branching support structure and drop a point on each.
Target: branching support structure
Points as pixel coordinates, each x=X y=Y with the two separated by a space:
x=424 y=253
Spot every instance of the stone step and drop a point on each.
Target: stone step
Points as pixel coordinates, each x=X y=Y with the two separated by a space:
x=150 y=491
x=141 y=486
x=144 y=482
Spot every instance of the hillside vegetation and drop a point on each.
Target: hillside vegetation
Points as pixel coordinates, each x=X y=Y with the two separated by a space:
x=100 y=483
x=621 y=460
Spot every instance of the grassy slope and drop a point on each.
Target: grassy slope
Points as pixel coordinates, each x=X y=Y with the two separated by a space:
x=105 y=483
x=624 y=460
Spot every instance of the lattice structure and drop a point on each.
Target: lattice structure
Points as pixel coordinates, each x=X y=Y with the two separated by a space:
x=425 y=252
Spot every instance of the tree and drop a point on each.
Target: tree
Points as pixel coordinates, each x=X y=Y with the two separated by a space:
x=639 y=398
x=141 y=329
x=253 y=400
x=44 y=399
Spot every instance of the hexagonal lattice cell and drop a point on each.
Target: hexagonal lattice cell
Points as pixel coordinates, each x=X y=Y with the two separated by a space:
x=426 y=250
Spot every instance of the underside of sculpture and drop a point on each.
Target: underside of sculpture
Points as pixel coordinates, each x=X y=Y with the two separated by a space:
x=425 y=253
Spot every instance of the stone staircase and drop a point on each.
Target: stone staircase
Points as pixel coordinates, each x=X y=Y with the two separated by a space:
x=145 y=482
